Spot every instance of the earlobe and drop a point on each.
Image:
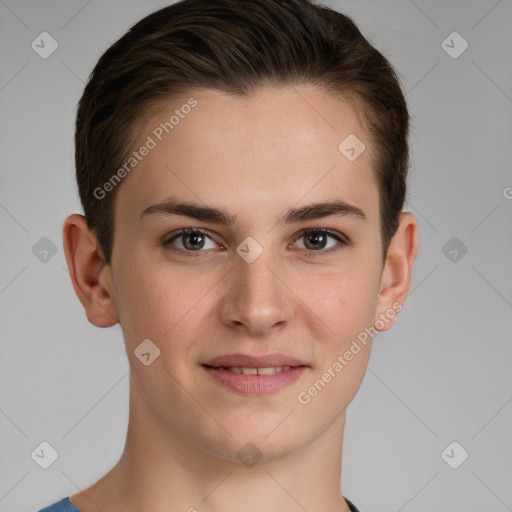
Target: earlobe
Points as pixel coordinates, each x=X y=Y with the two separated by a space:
x=89 y=273
x=396 y=274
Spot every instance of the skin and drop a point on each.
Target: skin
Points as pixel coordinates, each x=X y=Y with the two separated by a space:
x=256 y=157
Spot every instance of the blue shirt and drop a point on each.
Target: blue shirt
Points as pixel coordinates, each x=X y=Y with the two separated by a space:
x=65 y=505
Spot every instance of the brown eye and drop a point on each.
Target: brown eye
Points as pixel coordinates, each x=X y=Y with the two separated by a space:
x=193 y=241
x=190 y=241
x=317 y=240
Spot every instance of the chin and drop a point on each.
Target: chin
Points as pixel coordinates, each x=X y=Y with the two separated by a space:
x=251 y=443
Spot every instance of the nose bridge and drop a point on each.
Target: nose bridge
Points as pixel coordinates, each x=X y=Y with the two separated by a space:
x=256 y=298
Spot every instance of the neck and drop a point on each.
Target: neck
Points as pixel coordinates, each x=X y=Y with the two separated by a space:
x=161 y=471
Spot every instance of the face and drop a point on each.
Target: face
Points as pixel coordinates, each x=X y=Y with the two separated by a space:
x=262 y=281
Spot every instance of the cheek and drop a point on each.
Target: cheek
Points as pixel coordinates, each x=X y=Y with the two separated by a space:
x=161 y=302
x=147 y=299
x=344 y=299
x=346 y=308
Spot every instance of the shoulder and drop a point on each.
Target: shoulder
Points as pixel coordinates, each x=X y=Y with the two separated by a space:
x=64 y=505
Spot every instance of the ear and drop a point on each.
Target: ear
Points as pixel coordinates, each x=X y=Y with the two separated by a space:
x=90 y=275
x=395 y=277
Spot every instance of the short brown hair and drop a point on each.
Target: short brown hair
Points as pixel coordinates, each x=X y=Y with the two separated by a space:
x=237 y=47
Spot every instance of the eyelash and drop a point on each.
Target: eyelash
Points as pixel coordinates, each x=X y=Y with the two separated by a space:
x=342 y=241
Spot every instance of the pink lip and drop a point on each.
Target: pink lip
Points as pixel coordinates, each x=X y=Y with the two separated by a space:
x=254 y=385
x=248 y=361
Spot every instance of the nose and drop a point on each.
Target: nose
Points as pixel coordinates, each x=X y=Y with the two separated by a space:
x=257 y=299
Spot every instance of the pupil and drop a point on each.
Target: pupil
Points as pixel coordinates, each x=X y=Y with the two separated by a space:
x=318 y=237
x=194 y=237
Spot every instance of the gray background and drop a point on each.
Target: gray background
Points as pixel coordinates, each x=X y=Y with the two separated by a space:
x=442 y=374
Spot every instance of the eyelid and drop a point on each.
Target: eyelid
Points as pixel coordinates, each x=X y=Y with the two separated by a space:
x=340 y=237
x=185 y=231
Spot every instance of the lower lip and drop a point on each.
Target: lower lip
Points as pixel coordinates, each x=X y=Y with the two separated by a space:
x=255 y=385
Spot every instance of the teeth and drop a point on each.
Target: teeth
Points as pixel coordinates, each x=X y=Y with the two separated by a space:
x=271 y=370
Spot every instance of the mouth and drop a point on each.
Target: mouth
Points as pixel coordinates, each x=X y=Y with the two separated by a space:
x=246 y=370
x=255 y=375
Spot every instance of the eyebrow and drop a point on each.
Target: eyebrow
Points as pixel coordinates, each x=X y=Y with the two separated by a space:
x=224 y=217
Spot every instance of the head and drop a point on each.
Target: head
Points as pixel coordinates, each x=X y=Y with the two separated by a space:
x=243 y=111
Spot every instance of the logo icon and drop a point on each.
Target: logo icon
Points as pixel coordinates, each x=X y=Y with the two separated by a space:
x=44 y=45
x=249 y=249
x=44 y=250
x=44 y=455
x=249 y=455
x=146 y=352
x=454 y=455
x=454 y=45
x=351 y=147
x=454 y=249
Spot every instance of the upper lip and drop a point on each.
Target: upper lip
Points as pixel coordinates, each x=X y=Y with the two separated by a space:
x=248 y=361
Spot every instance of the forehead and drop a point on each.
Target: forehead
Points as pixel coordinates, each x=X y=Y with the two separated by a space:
x=271 y=149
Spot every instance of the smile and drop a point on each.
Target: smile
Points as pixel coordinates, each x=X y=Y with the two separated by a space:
x=269 y=370
x=252 y=381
